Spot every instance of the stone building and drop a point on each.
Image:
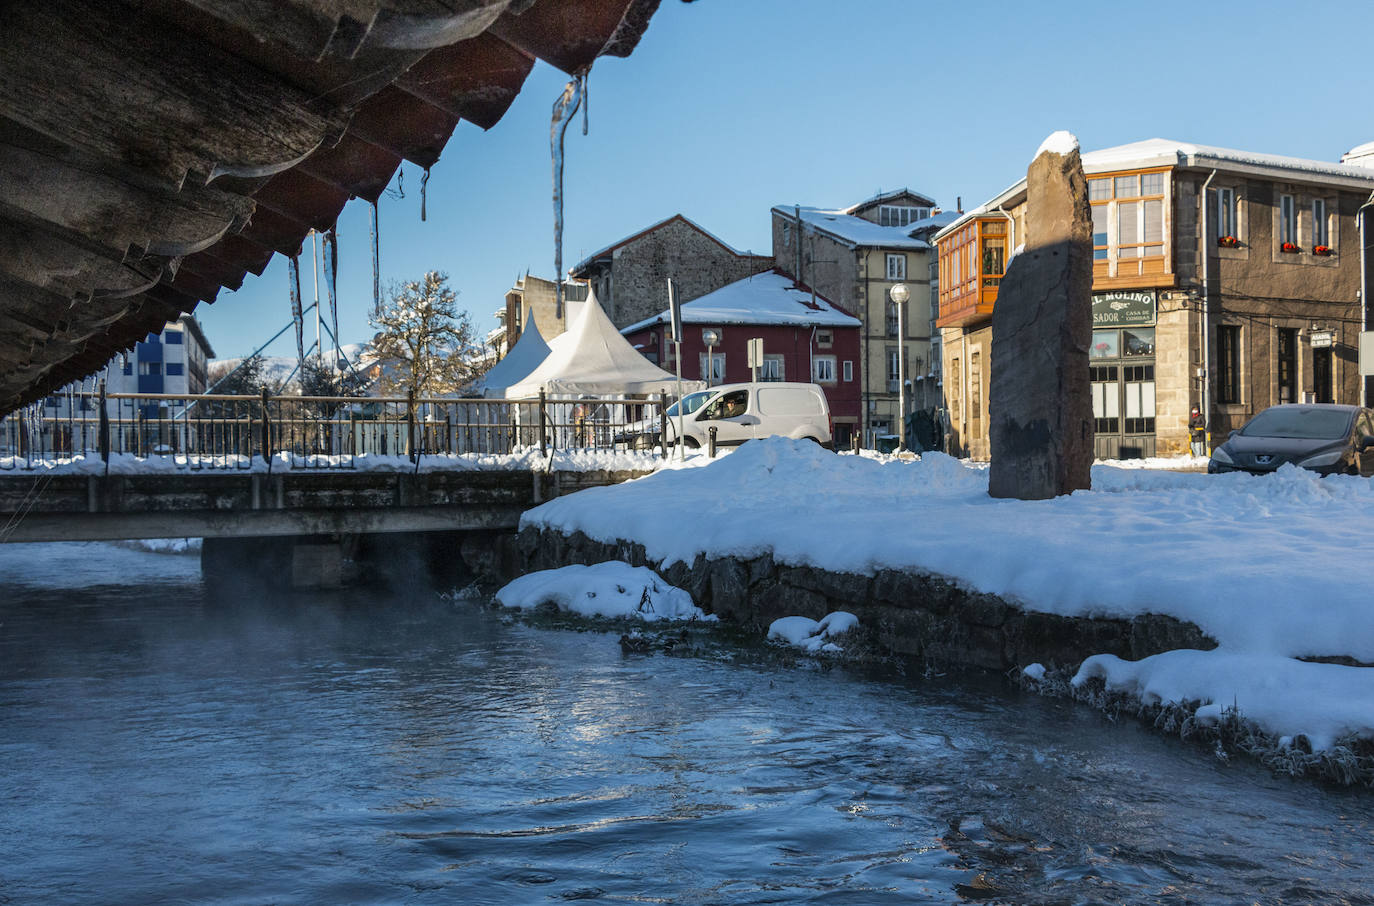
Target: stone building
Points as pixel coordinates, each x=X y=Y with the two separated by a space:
x=534 y=297
x=630 y=277
x=1221 y=278
x=853 y=257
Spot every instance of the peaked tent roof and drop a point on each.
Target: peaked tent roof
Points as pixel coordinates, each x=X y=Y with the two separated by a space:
x=593 y=358
x=523 y=358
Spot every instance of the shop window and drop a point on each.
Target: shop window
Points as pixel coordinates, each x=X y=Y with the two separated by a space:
x=1139 y=388
x=1138 y=341
x=1106 y=390
x=1104 y=345
x=1228 y=363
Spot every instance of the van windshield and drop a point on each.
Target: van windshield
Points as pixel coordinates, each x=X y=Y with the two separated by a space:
x=691 y=402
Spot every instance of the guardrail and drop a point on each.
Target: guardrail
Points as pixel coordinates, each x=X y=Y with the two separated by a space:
x=217 y=431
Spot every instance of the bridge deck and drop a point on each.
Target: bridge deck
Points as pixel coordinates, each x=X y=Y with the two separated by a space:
x=229 y=505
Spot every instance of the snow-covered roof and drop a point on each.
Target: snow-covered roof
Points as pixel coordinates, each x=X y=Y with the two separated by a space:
x=586 y=262
x=933 y=222
x=592 y=358
x=852 y=231
x=1163 y=152
x=767 y=298
x=523 y=358
x=882 y=197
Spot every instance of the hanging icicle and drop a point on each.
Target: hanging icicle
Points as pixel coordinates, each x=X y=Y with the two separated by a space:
x=376 y=267
x=294 y=273
x=563 y=111
x=331 y=284
x=424 y=182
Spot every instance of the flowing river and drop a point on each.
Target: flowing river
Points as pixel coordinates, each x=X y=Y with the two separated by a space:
x=163 y=742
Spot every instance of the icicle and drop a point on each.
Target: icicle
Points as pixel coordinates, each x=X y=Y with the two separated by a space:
x=294 y=273
x=331 y=278
x=376 y=269
x=563 y=110
x=586 y=100
x=424 y=181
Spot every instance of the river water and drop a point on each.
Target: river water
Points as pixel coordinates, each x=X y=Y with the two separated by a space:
x=164 y=744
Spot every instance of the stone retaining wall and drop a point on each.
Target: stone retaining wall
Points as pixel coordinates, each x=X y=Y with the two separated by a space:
x=908 y=614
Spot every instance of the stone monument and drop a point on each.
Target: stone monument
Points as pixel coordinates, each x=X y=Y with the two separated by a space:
x=1039 y=404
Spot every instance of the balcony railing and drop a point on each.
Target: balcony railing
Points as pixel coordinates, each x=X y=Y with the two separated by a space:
x=215 y=431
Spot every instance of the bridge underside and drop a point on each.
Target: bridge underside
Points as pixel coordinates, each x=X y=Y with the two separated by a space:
x=111 y=508
x=154 y=152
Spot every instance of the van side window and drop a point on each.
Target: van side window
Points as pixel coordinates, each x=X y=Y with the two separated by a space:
x=728 y=406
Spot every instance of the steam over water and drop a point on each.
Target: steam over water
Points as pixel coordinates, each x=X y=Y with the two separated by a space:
x=163 y=744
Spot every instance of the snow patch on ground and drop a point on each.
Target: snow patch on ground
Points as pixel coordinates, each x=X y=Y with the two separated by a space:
x=813 y=635
x=610 y=589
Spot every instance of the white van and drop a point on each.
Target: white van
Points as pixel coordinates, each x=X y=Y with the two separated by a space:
x=741 y=412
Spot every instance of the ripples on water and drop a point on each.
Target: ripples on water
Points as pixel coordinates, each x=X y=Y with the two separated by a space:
x=164 y=745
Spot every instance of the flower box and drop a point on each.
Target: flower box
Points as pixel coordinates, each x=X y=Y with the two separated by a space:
x=1290 y=247
x=1228 y=242
x=1323 y=250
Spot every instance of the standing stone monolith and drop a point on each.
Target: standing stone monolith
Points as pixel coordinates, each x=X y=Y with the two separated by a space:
x=1039 y=404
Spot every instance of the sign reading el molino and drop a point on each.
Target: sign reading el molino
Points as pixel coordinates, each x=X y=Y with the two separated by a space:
x=1116 y=309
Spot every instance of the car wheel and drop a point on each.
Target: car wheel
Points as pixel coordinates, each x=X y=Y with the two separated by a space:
x=692 y=443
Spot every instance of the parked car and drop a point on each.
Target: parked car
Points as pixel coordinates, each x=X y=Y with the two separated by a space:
x=645 y=432
x=1326 y=438
x=741 y=412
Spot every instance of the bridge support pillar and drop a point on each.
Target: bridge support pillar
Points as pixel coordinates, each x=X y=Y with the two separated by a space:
x=317 y=565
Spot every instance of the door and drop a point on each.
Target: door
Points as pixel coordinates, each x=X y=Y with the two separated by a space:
x=729 y=415
x=1321 y=376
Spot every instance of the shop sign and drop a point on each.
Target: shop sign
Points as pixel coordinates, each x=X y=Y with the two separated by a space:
x=1322 y=339
x=1115 y=309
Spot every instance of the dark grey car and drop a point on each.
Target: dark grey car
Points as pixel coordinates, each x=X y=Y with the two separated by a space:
x=1326 y=438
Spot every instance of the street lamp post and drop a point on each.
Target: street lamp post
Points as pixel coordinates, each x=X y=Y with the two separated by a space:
x=898 y=293
x=710 y=337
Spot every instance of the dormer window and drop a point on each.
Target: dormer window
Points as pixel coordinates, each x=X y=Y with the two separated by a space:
x=900 y=215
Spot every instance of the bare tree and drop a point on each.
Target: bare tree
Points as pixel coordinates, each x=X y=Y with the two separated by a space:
x=423 y=340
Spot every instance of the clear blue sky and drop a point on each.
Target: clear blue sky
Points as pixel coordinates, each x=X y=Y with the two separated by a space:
x=729 y=107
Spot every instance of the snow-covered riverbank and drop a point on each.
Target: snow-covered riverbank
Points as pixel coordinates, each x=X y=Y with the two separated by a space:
x=1266 y=566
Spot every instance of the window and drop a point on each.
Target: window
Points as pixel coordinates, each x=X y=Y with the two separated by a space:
x=772 y=368
x=1139 y=387
x=825 y=337
x=731 y=405
x=891 y=318
x=848 y=371
x=823 y=369
x=786 y=235
x=955 y=375
x=1128 y=222
x=1228 y=363
x=896 y=267
x=994 y=253
x=174 y=369
x=1226 y=213
x=900 y=215
x=1321 y=228
x=149 y=368
x=717 y=374
x=173 y=338
x=975 y=394
x=1106 y=391
x=893 y=369
x=1288 y=226
x=51 y=402
x=128 y=367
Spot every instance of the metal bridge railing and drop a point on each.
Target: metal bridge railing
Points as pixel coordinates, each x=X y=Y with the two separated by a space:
x=217 y=431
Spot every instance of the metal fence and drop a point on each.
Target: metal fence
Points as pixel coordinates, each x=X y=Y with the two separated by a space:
x=215 y=431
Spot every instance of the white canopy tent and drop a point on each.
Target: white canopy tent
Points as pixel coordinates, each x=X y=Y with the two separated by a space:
x=593 y=359
x=525 y=356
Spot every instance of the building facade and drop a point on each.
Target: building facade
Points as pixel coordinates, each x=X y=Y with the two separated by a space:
x=535 y=298
x=805 y=338
x=1224 y=279
x=853 y=257
x=630 y=277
